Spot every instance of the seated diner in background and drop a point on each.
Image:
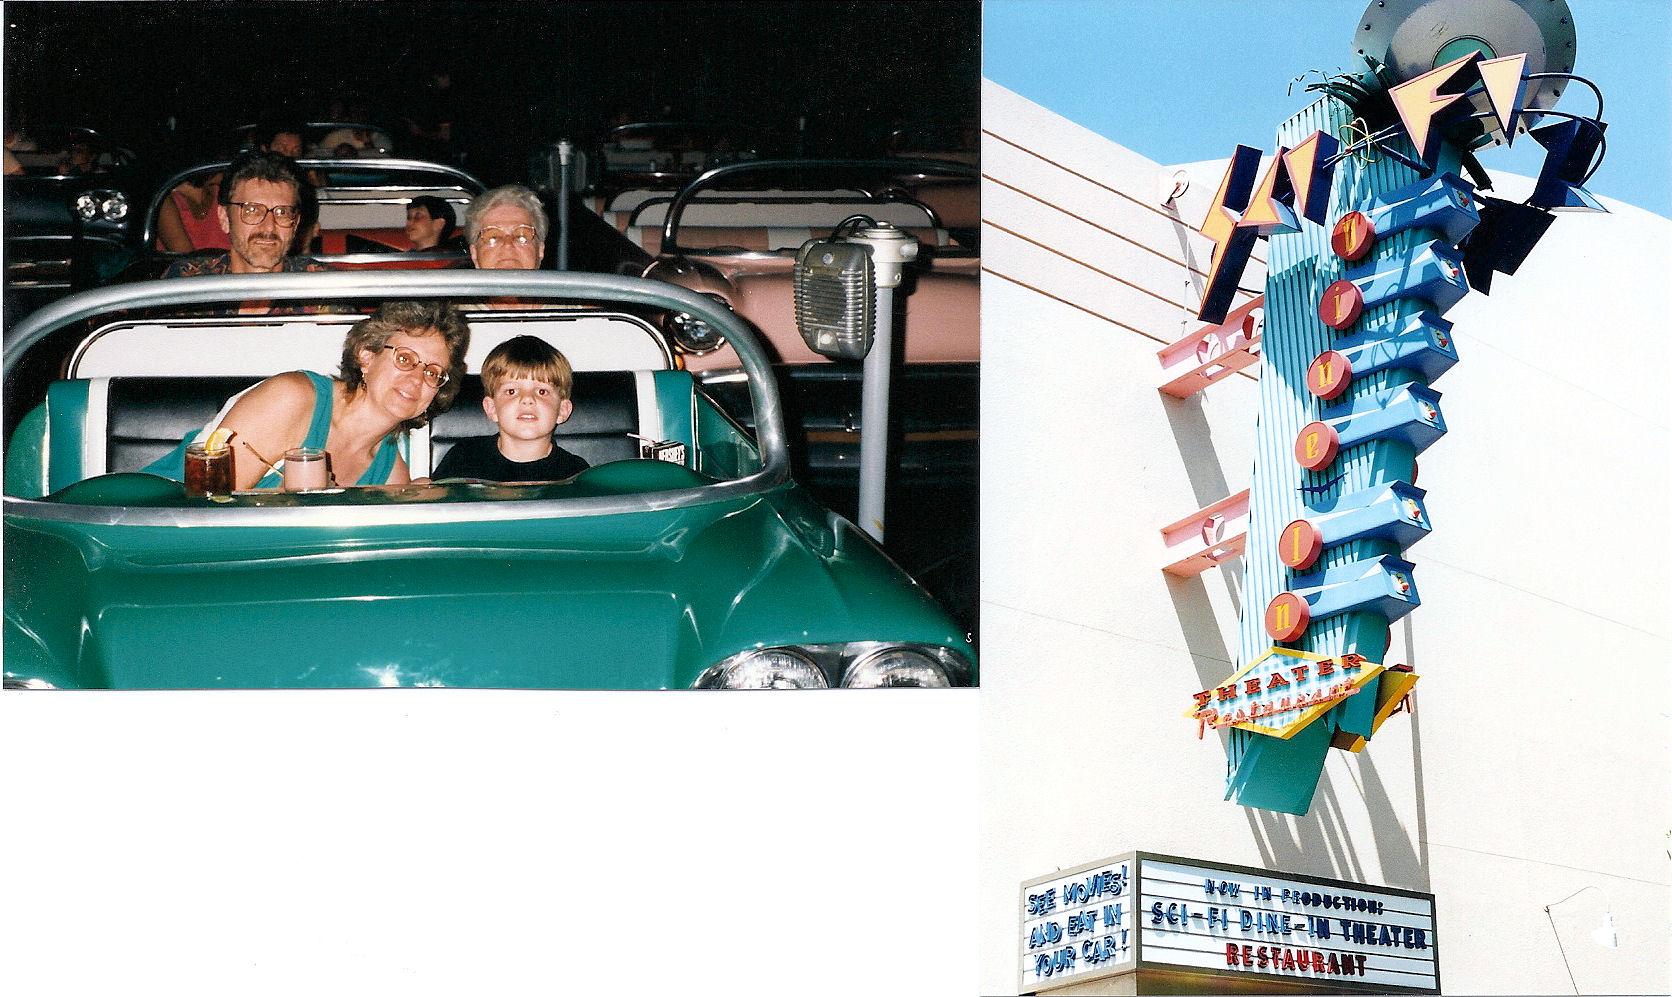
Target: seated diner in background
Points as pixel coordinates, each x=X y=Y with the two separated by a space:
x=188 y=221
x=430 y=226
x=258 y=207
x=506 y=229
x=282 y=136
x=401 y=366
x=79 y=159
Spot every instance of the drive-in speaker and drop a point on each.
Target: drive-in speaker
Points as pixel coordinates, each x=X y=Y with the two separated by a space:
x=835 y=298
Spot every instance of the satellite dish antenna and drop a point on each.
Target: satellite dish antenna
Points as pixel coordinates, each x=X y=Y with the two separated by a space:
x=1411 y=37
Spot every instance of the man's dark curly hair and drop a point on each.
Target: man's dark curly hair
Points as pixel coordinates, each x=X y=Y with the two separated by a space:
x=253 y=164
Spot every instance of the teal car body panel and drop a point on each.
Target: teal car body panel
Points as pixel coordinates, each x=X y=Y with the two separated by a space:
x=646 y=603
x=635 y=574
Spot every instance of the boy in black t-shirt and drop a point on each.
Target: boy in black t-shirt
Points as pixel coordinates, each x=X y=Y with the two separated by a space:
x=525 y=392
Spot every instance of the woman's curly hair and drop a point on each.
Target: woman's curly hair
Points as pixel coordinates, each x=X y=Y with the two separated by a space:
x=415 y=318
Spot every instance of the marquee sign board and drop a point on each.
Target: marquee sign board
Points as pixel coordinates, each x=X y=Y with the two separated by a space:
x=1078 y=925
x=1221 y=923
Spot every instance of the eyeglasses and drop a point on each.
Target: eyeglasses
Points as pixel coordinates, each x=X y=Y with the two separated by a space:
x=493 y=238
x=405 y=359
x=252 y=212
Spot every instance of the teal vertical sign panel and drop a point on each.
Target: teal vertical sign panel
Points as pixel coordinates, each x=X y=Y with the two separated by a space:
x=1282 y=774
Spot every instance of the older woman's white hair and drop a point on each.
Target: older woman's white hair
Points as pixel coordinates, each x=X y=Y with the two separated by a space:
x=514 y=195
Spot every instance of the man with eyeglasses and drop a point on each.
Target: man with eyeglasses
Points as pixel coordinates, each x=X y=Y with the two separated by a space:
x=259 y=208
x=506 y=229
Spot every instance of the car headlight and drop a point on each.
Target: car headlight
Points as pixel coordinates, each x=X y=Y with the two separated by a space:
x=102 y=205
x=17 y=683
x=768 y=668
x=115 y=207
x=896 y=666
x=692 y=334
x=853 y=665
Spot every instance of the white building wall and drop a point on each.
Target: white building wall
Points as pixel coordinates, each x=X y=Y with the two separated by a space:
x=1536 y=760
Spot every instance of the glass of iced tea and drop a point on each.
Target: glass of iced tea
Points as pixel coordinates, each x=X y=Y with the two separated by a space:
x=208 y=472
x=306 y=469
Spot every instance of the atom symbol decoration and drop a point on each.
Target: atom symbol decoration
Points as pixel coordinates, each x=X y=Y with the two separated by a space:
x=1358 y=141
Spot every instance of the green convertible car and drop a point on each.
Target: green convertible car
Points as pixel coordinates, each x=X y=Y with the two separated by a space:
x=684 y=557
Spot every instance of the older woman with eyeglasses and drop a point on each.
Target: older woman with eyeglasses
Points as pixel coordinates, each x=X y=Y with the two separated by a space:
x=506 y=229
x=400 y=368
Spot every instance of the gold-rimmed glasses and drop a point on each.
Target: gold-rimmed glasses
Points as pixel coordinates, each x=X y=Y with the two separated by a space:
x=252 y=212
x=519 y=236
x=434 y=375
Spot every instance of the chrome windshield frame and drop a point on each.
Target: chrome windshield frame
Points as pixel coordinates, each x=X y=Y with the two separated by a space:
x=708 y=178
x=456 y=177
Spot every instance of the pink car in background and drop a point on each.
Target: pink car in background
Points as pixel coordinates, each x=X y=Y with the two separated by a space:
x=734 y=233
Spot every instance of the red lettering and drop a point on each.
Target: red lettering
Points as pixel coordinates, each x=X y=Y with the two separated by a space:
x=1231 y=954
x=1299 y=672
x=1276 y=680
x=1202 y=698
x=1326 y=667
x=1253 y=686
x=1225 y=692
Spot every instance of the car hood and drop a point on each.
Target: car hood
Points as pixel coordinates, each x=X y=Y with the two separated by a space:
x=633 y=601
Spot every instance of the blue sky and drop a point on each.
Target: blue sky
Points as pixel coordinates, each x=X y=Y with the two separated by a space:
x=1184 y=80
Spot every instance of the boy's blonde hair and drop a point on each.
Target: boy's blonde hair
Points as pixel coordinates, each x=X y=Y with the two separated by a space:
x=527 y=357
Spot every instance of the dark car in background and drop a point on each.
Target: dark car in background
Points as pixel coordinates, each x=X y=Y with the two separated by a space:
x=324 y=139
x=70 y=215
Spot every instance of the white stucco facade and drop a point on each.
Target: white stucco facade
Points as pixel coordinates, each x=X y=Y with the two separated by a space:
x=1535 y=762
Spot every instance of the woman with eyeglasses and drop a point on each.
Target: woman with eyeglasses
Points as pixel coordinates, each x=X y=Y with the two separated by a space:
x=506 y=229
x=400 y=368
